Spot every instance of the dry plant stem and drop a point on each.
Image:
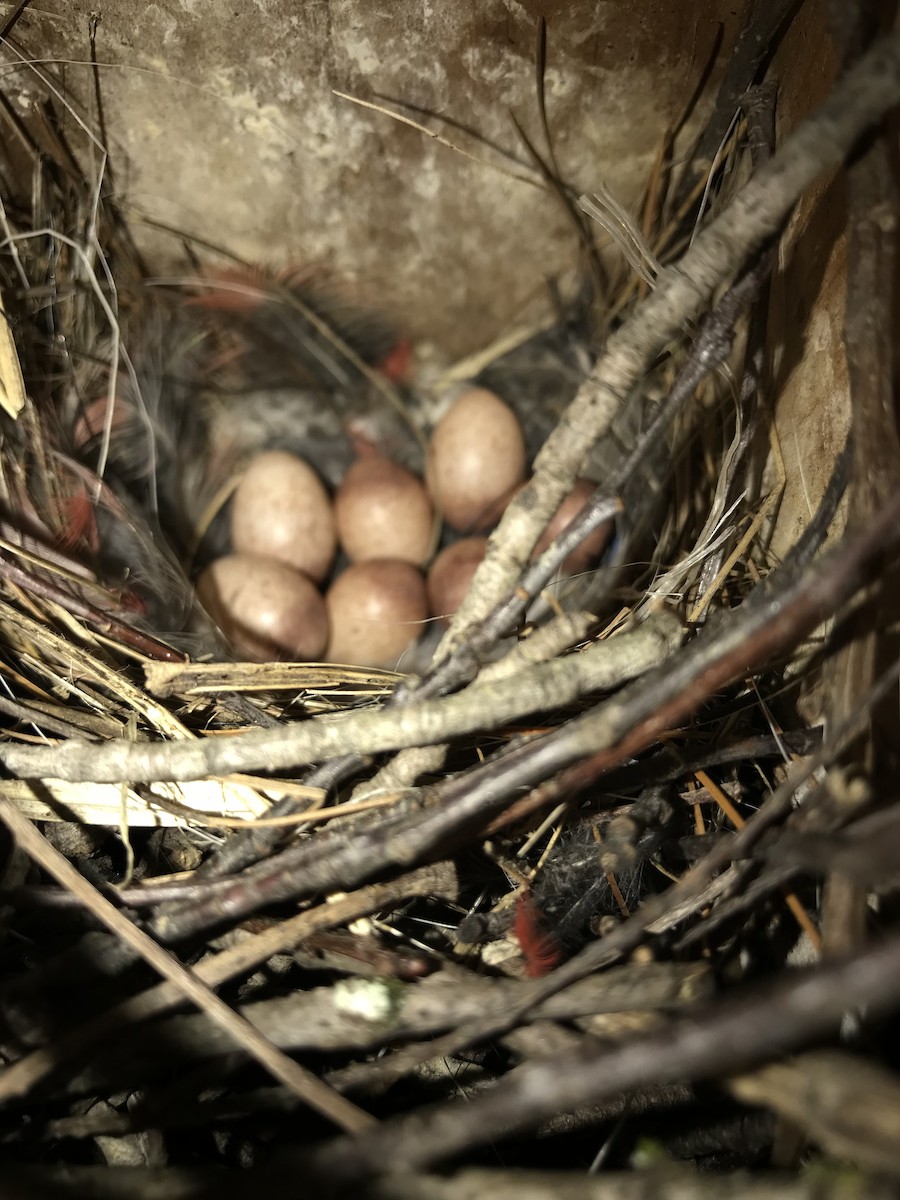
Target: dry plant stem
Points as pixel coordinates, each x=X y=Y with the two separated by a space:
x=749 y=895
x=666 y=767
x=21 y=1076
x=730 y=1036
x=867 y=850
x=12 y=17
x=682 y=291
x=759 y=106
x=546 y=686
x=97 y=619
x=251 y=845
x=41 y=720
x=767 y=21
x=155 y=1110
x=303 y=1083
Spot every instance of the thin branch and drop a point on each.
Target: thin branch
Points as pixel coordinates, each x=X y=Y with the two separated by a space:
x=324 y=1020
x=546 y=686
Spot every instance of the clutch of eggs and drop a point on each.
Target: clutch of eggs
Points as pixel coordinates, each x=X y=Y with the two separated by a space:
x=285 y=533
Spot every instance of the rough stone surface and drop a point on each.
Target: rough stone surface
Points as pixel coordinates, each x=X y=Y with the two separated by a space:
x=225 y=115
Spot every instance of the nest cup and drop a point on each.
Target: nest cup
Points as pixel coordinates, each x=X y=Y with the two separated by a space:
x=167 y=317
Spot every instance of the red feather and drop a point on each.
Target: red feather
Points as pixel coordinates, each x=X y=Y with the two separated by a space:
x=397 y=362
x=80 y=526
x=540 y=949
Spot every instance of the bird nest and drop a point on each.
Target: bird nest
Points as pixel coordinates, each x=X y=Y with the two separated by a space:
x=575 y=874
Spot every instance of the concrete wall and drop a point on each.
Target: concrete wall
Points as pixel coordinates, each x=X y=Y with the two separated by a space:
x=223 y=111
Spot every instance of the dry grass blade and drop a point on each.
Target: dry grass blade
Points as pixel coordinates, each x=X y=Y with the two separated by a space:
x=12 y=386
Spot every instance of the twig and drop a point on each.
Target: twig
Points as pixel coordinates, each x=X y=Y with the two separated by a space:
x=759 y=106
x=664 y=767
x=12 y=17
x=799 y=913
x=545 y=686
x=849 y=1106
x=766 y=22
x=325 y=1020
x=663 y=1181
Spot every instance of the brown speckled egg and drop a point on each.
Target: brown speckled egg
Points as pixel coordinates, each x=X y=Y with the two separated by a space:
x=381 y=510
x=266 y=610
x=281 y=510
x=376 y=610
x=475 y=460
x=592 y=546
x=451 y=573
